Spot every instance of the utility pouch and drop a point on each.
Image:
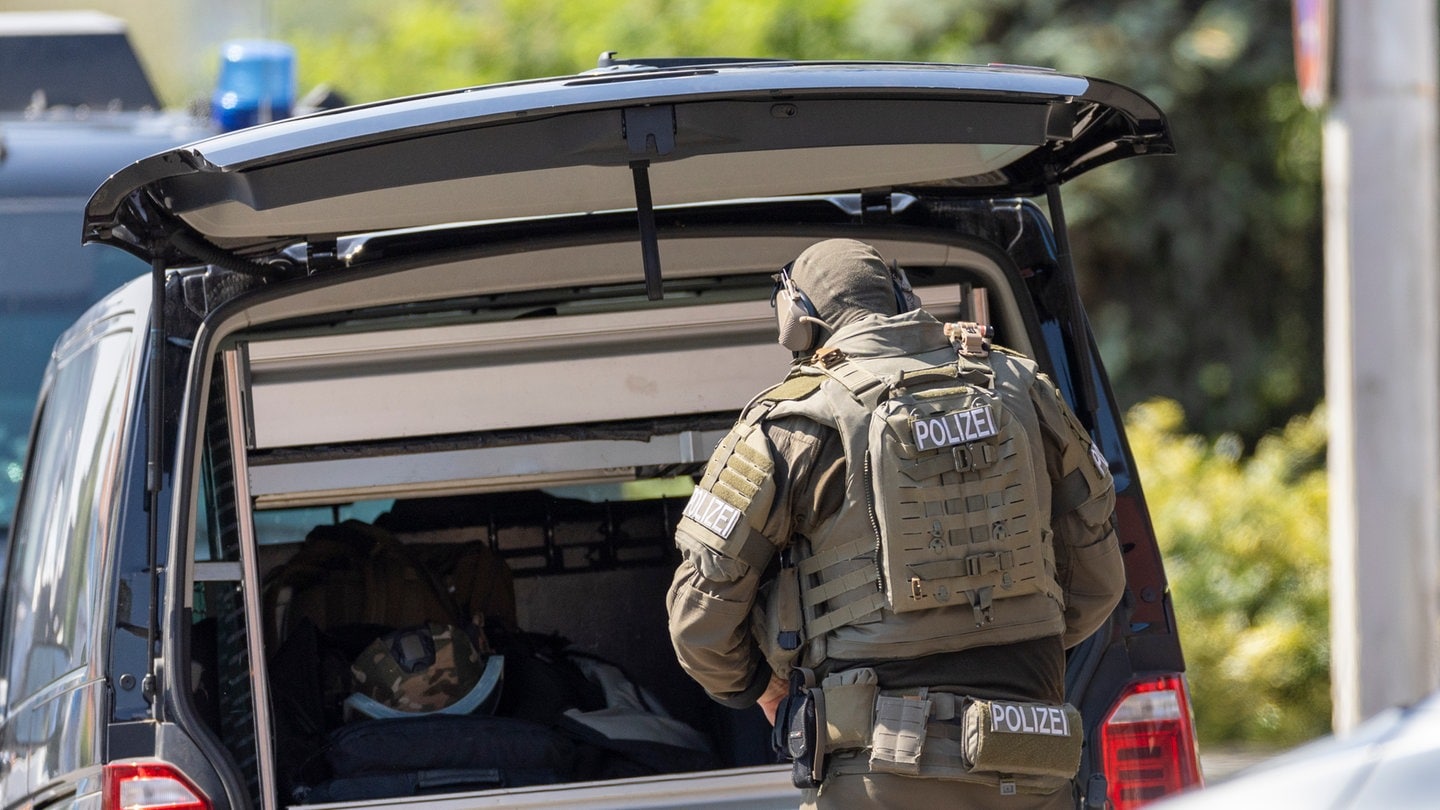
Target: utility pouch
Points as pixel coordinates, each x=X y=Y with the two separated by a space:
x=797 y=725
x=849 y=708
x=899 y=735
x=1034 y=739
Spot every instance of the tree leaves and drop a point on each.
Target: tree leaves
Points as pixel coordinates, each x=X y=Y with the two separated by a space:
x=1246 y=548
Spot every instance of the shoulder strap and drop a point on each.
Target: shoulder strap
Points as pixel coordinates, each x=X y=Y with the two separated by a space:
x=870 y=389
x=865 y=387
x=801 y=383
x=798 y=385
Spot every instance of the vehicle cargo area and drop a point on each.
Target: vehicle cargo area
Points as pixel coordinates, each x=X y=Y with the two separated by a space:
x=589 y=577
x=515 y=471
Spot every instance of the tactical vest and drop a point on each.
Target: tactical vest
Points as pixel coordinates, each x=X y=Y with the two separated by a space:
x=943 y=542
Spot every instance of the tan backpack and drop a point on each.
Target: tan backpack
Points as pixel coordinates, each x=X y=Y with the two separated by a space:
x=355 y=573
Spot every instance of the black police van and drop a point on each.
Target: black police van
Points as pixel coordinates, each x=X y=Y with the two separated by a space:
x=516 y=316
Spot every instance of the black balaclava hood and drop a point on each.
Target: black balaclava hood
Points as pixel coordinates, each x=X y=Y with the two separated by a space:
x=845 y=280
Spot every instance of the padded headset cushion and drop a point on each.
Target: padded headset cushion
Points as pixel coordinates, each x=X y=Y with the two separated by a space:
x=796 y=333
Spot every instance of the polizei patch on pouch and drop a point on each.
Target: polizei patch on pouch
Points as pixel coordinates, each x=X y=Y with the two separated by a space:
x=712 y=513
x=956 y=427
x=1029 y=718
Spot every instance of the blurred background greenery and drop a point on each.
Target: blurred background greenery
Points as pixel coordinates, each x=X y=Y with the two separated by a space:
x=1246 y=547
x=1201 y=271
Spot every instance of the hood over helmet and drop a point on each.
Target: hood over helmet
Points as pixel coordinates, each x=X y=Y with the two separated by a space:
x=833 y=284
x=845 y=280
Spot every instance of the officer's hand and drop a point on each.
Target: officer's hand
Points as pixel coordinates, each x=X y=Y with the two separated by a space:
x=769 y=702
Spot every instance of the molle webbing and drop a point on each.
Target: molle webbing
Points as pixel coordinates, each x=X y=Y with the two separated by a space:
x=994 y=523
x=951 y=484
x=862 y=578
x=822 y=560
x=740 y=479
x=733 y=496
x=870 y=600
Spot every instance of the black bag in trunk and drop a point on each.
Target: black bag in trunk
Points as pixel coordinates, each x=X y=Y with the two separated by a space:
x=438 y=753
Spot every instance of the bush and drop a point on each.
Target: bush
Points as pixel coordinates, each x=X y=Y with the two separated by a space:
x=1246 y=548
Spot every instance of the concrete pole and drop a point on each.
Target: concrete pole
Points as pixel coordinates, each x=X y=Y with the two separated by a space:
x=1382 y=304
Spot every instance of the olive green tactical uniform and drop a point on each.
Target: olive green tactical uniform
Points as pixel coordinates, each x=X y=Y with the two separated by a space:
x=781 y=482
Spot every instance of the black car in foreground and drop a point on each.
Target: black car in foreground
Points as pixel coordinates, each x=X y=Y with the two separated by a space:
x=513 y=318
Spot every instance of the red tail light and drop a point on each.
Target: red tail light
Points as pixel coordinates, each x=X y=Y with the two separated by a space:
x=1148 y=741
x=150 y=786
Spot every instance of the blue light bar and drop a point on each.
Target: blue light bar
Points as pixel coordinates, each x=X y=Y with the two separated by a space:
x=256 y=84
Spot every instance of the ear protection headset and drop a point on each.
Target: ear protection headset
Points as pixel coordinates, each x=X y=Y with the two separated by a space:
x=800 y=322
x=905 y=297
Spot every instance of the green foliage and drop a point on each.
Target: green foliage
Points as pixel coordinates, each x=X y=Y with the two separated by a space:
x=378 y=49
x=1246 y=549
x=1227 y=232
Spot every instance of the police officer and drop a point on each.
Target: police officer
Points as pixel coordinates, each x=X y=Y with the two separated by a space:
x=898 y=543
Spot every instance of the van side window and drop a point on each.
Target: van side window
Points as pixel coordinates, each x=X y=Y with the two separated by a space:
x=53 y=595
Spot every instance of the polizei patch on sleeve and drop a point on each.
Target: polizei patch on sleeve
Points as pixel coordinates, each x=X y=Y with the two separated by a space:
x=956 y=427
x=1029 y=718
x=712 y=513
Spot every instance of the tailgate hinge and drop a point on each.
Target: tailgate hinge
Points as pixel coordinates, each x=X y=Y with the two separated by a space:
x=876 y=206
x=321 y=255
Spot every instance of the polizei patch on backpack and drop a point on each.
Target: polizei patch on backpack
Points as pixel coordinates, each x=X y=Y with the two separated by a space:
x=955 y=427
x=712 y=513
x=1029 y=718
